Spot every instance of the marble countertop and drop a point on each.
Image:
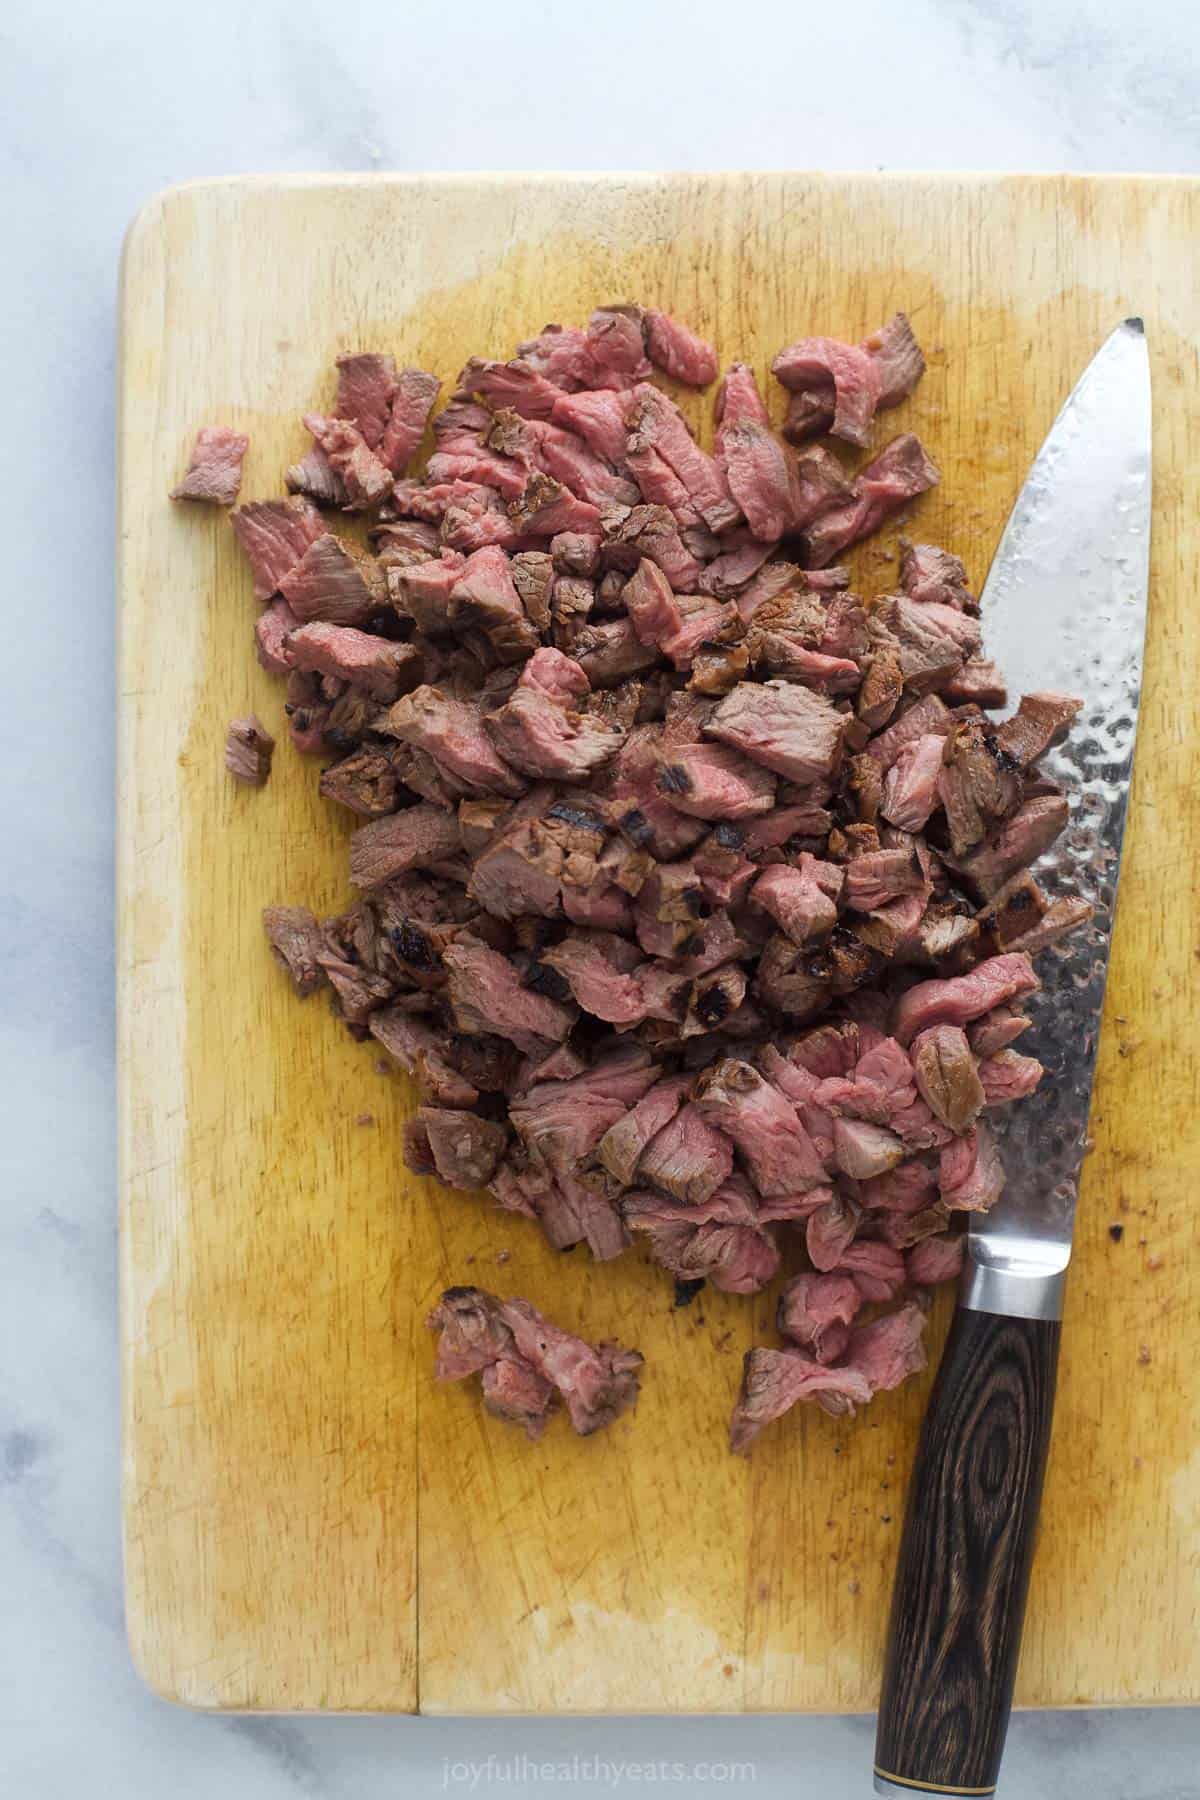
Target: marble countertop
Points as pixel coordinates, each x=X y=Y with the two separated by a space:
x=101 y=107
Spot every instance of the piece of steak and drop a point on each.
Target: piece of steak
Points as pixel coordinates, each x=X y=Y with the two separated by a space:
x=365 y=479
x=529 y=1366
x=785 y=728
x=678 y=352
x=421 y=837
x=375 y=664
x=413 y=401
x=688 y=1158
x=816 y=1310
x=970 y=1173
x=762 y=477
x=773 y=1381
x=274 y=534
x=1019 y=842
x=947 y=1077
x=538 y=734
x=934 y=1260
x=487 y=994
x=334 y=582
x=801 y=898
x=927 y=573
x=214 y=471
x=656 y=423
x=484 y=596
x=708 y=781
x=900 y=473
x=726 y=1239
x=465 y=1148
x=249 y=748
x=296 y=942
x=996 y=982
x=765 y=1128
x=850 y=375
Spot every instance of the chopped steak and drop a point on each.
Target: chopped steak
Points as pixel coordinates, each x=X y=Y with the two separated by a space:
x=515 y=384
x=996 y=1030
x=852 y=376
x=529 y=1366
x=599 y=419
x=419 y=838
x=465 y=1148
x=773 y=1381
x=688 y=1158
x=538 y=734
x=616 y=339
x=652 y=607
x=621 y=1147
x=899 y=473
x=560 y=353
x=364 y=478
x=1018 y=842
x=927 y=573
x=366 y=387
x=214 y=471
x=414 y=399
x=274 y=535
x=785 y=728
x=726 y=1239
x=313 y=476
x=677 y=351
x=656 y=423
x=272 y=635
x=1006 y=1076
x=1062 y=916
x=249 y=748
x=910 y=787
x=898 y=358
x=659 y=833
x=487 y=994
x=374 y=664
x=947 y=1078
x=762 y=477
x=545 y=507
x=970 y=1173
x=708 y=781
x=485 y=596
x=738 y=400
x=765 y=1128
x=996 y=982
x=815 y=1312
x=296 y=940
x=802 y=899
x=533 y=577
x=452 y=732
x=1039 y=721
x=334 y=582
x=934 y=1260
x=561 y=1122
x=862 y=1150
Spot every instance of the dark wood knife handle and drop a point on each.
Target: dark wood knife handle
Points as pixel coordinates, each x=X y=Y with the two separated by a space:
x=959 y=1599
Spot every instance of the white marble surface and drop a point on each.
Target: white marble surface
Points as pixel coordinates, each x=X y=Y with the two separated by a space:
x=101 y=105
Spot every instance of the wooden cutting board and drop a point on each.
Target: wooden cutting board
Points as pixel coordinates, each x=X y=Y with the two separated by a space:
x=310 y=1523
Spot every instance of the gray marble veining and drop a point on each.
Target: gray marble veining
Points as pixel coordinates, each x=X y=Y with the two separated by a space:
x=100 y=107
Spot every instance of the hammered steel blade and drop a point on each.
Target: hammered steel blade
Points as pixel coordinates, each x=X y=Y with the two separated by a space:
x=1064 y=609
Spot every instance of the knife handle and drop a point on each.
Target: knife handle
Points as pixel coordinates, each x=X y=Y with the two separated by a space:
x=959 y=1599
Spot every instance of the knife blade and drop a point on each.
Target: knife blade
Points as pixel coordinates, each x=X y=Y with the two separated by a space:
x=1064 y=609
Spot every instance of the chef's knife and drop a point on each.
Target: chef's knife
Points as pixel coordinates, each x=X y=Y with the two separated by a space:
x=1064 y=609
